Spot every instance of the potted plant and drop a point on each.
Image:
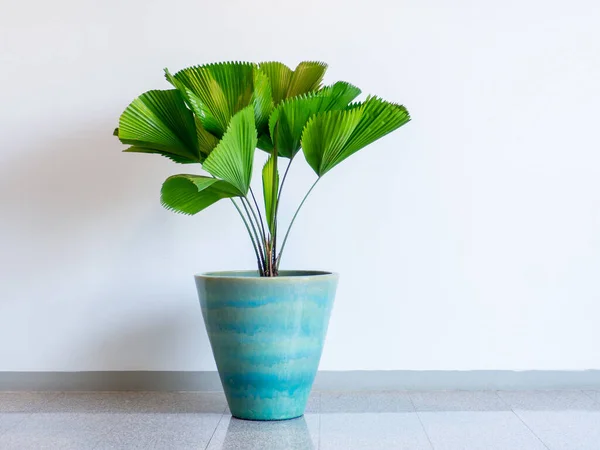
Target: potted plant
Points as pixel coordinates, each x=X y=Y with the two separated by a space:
x=266 y=327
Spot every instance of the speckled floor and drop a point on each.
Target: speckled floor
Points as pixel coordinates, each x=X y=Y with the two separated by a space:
x=440 y=420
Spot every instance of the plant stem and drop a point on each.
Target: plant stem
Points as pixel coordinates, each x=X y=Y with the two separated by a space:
x=274 y=195
x=262 y=251
x=292 y=222
x=273 y=243
x=260 y=233
x=258 y=260
x=283 y=180
x=275 y=257
x=274 y=249
x=262 y=225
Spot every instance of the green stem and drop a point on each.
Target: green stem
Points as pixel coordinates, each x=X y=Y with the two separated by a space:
x=274 y=250
x=274 y=193
x=283 y=180
x=275 y=263
x=273 y=243
x=258 y=261
x=262 y=226
x=259 y=233
x=292 y=222
x=256 y=235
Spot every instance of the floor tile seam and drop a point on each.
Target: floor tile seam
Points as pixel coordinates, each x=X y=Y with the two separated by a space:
x=596 y=402
x=521 y=420
x=216 y=428
x=420 y=421
x=319 y=427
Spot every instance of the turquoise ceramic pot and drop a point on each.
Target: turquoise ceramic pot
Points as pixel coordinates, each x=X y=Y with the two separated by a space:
x=267 y=336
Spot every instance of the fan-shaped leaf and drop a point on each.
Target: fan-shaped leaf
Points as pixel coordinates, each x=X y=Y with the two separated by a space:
x=339 y=94
x=262 y=99
x=288 y=83
x=263 y=106
x=306 y=77
x=190 y=194
x=378 y=119
x=232 y=159
x=215 y=92
x=279 y=77
x=172 y=157
x=270 y=178
x=331 y=137
x=206 y=141
x=325 y=135
x=193 y=101
x=264 y=142
x=159 y=122
x=289 y=119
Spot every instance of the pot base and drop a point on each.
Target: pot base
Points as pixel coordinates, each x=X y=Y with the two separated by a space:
x=267 y=420
x=273 y=401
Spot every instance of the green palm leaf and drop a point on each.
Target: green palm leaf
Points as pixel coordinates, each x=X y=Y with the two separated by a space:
x=270 y=178
x=326 y=134
x=279 y=77
x=216 y=92
x=289 y=119
x=333 y=136
x=378 y=119
x=339 y=95
x=264 y=142
x=159 y=122
x=232 y=158
x=307 y=77
x=190 y=194
x=262 y=99
x=206 y=141
x=172 y=157
x=288 y=83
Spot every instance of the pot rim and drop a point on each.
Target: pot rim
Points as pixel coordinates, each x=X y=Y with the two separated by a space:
x=252 y=275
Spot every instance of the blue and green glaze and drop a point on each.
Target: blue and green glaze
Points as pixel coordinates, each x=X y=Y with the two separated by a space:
x=267 y=337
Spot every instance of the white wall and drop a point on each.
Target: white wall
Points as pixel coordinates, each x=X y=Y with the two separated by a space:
x=470 y=239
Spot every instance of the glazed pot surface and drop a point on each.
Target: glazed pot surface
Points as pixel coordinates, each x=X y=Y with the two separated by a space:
x=267 y=337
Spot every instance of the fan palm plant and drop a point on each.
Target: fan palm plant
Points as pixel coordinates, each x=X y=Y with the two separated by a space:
x=216 y=115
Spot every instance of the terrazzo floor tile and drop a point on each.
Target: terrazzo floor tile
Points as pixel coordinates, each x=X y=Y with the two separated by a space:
x=25 y=402
x=369 y=431
x=97 y=402
x=185 y=402
x=64 y=431
x=549 y=400
x=295 y=434
x=160 y=431
x=365 y=402
x=137 y=402
x=478 y=430
x=11 y=420
x=565 y=430
x=563 y=420
x=594 y=395
x=444 y=420
x=458 y=401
